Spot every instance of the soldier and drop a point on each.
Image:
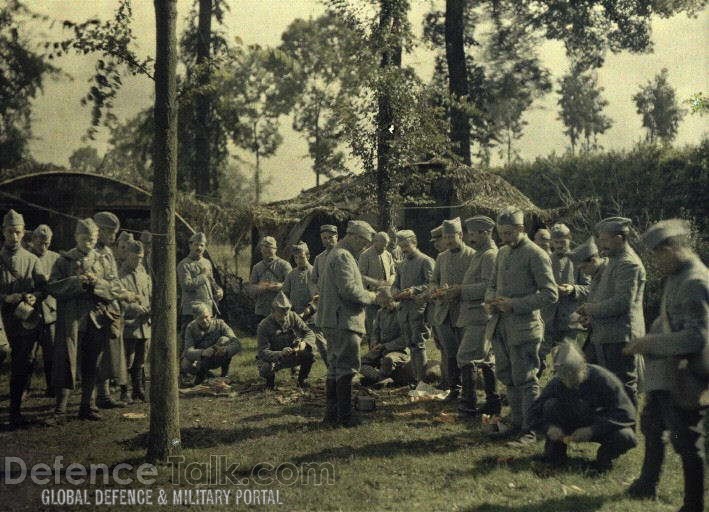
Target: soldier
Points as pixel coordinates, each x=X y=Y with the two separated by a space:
x=46 y=258
x=328 y=237
x=124 y=238
x=590 y=263
x=195 y=276
x=558 y=326
x=85 y=319
x=677 y=364
x=440 y=246
x=614 y=309
x=284 y=341
x=209 y=343
x=448 y=272
x=522 y=284
x=412 y=277
x=136 y=332
x=542 y=237
x=583 y=402
x=20 y=282
x=376 y=264
x=267 y=277
x=341 y=317
x=474 y=350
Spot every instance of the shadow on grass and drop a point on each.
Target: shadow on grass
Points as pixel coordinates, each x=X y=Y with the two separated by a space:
x=574 y=503
x=530 y=463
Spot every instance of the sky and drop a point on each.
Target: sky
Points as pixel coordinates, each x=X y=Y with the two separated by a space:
x=60 y=122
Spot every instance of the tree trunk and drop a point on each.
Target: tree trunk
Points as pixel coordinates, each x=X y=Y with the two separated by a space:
x=457 y=77
x=257 y=171
x=201 y=168
x=164 y=436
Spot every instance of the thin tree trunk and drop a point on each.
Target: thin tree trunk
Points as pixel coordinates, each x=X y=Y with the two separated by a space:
x=164 y=435
x=201 y=168
x=257 y=172
x=457 y=77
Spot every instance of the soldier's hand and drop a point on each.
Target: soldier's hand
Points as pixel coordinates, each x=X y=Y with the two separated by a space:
x=208 y=352
x=582 y=434
x=453 y=292
x=554 y=433
x=30 y=299
x=565 y=289
x=13 y=298
x=286 y=352
x=404 y=294
x=302 y=346
x=504 y=304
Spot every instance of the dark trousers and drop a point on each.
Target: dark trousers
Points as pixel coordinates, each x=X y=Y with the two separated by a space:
x=135 y=355
x=22 y=347
x=93 y=346
x=46 y=343
x=611 y=357
x=659 y=415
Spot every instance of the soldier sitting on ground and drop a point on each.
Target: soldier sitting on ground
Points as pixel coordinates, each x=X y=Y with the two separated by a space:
x=583 y=402
x=209 y=343
x=284 y=341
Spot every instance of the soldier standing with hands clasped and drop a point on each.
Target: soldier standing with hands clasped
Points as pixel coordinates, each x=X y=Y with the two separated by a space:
x=267 y=277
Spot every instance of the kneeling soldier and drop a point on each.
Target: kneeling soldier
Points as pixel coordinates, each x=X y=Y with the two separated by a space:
x=284 y=341
x=209 y=343
x=583 y=402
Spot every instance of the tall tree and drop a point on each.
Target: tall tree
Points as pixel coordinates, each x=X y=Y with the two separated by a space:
x=201 y=167
x=657 y=104
x=85 y=159
x=457 y=77
x=164 y=436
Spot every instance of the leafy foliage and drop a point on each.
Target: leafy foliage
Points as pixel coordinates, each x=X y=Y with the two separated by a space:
x=657 y=104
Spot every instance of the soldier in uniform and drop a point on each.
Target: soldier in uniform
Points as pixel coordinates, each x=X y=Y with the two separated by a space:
x=542 y=237
x=448 y=273
x=439 y=246
x=328 y=237
x=412 y=277
x=284 y=341
x=614 y=309
x=209 y=343
x=583 y=402
x=124 y=238
x=676 y=352
x=474 y=350
x=46 y=258
x=267 y=277
x=376 y=264
x=522 y=284
x=341 y=317
x=20 y=284
x=136 y=332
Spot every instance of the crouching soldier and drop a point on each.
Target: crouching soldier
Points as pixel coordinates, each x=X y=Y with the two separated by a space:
x=583 y=402
x=388 y=357
x=209 y=343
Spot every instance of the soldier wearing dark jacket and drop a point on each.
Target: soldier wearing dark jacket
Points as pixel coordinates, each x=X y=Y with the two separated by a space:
x=284 y=341
x=19 y=284
x=267 y=276
x=676 y=352
x=583 y=402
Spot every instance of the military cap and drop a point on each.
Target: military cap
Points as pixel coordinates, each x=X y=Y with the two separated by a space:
x=661 y=231
x=614 y=225
x=12 y=218
x=199 y=308
x=107 y=220
x=451 y=226
x=269 y=241
x=361 y=228
x=301 y=247
x=146 y=237
x=510 y=216
x=479 y=223
x=42 y=231
x=436 y=233
x=135 y=247
x=328 y=228
x=86 y=227
x=585 y=251
x=382 y=235
x=405 y=235
x=124 y=236
x=560 y=231
x=198 y=237
x=281 y=301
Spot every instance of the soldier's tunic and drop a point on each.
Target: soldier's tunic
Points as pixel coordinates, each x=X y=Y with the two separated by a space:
x=414 y=273
x=18 y=274
x=374 y=268
x=112 y=364
x=391 y=355
x=341 y=310
x=195 y=286
x=297 y=288
x=616 y=310
x=197 y=339
x=682 y=330
x=48 y=315
x=136 y=331
x=523 y=274
x=273 y=337
x=274 y=270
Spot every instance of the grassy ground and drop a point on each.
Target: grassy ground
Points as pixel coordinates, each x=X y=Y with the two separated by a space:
x=403 y=458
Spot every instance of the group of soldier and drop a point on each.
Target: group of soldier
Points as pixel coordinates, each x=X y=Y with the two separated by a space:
x=497 y=312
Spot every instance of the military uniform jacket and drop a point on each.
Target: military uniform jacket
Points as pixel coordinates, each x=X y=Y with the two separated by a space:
x=26 y=278
x=342 y=293
x=318 y=269
x=376 y=267
x=297 y=287
x=522 y=273
x=137 y=315
x=616 y=302
x=450 y=268
x=196 y=286
x=387 y=331
x=682 y=328
x=198 y=339
x=273 y=337
x=45 y=264
x=564 y=273
x=475 y=283
x=583 y=290
x=274 y=271
x=414 y=273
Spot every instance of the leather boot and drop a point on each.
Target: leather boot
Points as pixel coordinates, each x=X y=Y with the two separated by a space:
x=493 y=402
x=124 y=397
x=453 y=380
x=303 y=373
x=137 y=382
x=468 y=399
x=330 y=418
x=271 y=381
x=345 y=416
x=693 y=469
x=86 y=412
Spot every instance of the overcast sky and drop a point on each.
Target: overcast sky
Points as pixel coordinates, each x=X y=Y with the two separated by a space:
x=59 y=122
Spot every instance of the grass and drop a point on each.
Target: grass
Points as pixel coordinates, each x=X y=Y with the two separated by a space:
x=402 y=458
